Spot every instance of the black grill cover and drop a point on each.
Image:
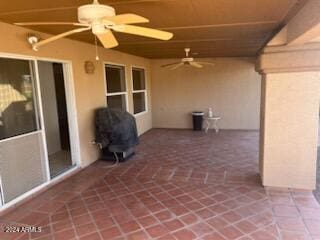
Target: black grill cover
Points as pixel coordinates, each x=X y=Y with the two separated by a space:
x=115 y=129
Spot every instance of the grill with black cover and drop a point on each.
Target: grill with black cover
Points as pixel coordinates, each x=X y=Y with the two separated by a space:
x=116 y=132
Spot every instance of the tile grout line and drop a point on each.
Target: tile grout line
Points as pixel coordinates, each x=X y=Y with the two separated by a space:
x=300 y=214
x=172 y=174
x=206 y=178
x=92 y=218
x=72 y=223
x=224 y=177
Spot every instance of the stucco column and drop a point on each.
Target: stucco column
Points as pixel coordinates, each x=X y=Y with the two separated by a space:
x=290 y=99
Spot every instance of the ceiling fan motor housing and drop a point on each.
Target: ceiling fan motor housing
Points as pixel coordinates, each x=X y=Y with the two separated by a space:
x=94 y=12
x=187 y=60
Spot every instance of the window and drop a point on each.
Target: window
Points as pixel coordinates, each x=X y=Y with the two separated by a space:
x=18 y=114
x=139 y=90
x=116 y=87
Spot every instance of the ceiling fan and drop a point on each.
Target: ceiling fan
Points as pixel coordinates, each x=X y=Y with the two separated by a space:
x=102 y=20
x=189 y=61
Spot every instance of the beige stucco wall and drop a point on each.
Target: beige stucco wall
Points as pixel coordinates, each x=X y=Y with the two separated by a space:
x=89 y=89
x=289 y=129
x=289 y=115
x=231 y=88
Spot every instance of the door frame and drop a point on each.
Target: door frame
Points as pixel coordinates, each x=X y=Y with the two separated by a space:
x=72 y=120
x=71 y=109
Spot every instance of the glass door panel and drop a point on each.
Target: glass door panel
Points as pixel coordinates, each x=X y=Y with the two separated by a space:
x=22 y=157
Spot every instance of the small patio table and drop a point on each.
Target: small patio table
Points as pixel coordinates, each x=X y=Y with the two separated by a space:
x=212 y=121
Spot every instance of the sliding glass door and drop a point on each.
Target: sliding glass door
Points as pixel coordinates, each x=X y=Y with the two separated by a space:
x=37 y=124
x=23 y=162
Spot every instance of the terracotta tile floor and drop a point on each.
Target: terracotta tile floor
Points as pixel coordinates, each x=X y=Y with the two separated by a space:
x=180 y=185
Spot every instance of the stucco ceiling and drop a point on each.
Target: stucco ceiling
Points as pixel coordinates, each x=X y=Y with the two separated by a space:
x=212 y=28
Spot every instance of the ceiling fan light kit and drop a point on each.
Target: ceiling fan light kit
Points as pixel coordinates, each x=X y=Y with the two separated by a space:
x=102 y=21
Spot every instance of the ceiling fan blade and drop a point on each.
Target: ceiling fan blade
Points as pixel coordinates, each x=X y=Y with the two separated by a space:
x=169 y=64
x=195 y=64
x=62 y=35
x=177 y=66
x=207 y=63
x=51 y=23
x=107 y=39
x=127 y=18
x=142 y=31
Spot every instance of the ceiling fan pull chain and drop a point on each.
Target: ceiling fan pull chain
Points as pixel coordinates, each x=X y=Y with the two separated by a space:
x=96 y=46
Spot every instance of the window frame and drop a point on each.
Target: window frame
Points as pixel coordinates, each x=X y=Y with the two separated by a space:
x=145 y=91
x=105 y=64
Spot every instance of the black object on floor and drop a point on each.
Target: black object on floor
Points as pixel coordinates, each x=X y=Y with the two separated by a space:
x=197 y=118
x=122 y=156
x=116 y=132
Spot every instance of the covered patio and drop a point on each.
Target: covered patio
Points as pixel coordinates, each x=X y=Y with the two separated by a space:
x=150 y=66
x=179 y=185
